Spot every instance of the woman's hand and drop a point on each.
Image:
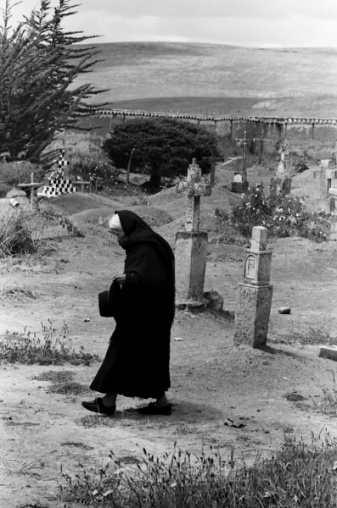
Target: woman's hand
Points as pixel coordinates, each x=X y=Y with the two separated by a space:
x=120 y=279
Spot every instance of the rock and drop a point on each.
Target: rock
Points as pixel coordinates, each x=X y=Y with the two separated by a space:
x=14 y=193
x=333 y=191
x=284 y=310
x=328 y=352
x=215 y=300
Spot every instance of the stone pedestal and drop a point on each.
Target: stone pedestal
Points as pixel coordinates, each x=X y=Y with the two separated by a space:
x=254 y=296
x=253 y=304
x=190 y=256
x=240 y=183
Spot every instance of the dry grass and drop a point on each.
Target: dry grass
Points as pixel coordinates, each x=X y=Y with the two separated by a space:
x=297 y=475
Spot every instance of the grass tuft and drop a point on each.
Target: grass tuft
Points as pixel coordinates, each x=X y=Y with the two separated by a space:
x=297 y=475
x=52 y=349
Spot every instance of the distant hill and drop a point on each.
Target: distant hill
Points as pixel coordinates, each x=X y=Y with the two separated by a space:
x=220 y=79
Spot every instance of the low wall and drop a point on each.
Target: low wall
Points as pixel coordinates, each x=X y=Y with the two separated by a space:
x=273 y=128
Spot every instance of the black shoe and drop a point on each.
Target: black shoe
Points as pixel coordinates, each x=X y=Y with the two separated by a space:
x=153 y=409
x=97 y=406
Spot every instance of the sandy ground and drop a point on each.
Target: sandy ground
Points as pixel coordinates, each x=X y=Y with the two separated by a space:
x=265 y=393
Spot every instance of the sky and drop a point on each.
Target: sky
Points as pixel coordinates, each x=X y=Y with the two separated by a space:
x=252 y=23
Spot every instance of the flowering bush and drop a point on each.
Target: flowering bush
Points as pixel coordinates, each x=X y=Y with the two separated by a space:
x=283 y=216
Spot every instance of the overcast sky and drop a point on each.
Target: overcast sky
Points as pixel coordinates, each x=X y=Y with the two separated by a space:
x=270 y=23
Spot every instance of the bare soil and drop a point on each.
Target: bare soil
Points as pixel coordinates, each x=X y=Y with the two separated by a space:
x=223 y=396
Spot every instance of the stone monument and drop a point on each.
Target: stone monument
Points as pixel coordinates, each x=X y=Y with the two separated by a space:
x=191 y=244
x=254 y=296
x=282 y=176
x=240 y=182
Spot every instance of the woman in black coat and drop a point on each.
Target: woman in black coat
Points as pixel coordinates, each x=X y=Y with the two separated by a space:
x=137 y=361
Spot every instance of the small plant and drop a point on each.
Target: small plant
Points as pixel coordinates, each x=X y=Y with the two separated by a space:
x=63 y=221
x=52 y=349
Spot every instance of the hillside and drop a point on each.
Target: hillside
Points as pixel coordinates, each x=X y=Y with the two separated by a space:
x=198 y=77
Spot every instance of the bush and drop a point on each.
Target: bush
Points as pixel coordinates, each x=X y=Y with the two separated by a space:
x=283 y=216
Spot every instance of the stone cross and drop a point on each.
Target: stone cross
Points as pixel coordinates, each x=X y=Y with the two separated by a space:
x=194 y=186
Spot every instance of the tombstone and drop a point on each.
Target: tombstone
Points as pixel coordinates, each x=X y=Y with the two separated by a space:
x=326 y=177
x=254 y=296
x=282 y=176
x=333 y=210
x=326 y=163
x=242 y=185
x=58 y=180
x=191 y=244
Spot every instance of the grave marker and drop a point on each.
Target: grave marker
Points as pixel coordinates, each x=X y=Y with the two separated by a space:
x=254 y=296
x=242 y=185
x=191 y=244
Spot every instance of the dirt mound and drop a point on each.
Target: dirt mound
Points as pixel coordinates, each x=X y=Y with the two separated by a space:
x=70 y=204
x=153 y=216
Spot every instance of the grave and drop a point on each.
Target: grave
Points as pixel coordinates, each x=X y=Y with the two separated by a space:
x=191 y=244
x=240 y=183
x=30 y=187
x=254 y=296
x=282 y=173
x=58 y=181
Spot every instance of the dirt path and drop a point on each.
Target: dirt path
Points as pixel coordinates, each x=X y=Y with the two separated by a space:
x=267 y=394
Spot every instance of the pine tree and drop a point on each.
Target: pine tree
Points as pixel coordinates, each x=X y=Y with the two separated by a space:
x=39 y=63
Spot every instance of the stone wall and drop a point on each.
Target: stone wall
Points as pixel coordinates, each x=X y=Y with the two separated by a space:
x=313 y=133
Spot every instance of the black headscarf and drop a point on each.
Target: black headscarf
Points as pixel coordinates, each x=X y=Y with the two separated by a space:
x=138 y=233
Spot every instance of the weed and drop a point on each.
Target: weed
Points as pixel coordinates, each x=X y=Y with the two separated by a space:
x=70 y=388
x=63 y=221
x=52 y=349
x=297 y=475
x=17 y=293
x=328 y=402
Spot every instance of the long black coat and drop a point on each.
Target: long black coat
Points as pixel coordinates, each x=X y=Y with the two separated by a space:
x=137 y=361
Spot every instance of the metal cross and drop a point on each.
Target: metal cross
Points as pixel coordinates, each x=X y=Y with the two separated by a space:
x=243 y=142
x=194 y=186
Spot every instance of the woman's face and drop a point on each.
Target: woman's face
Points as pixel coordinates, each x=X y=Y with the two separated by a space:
x=120 y=235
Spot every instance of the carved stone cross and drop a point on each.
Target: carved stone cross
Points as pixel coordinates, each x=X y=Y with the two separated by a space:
x=194 y=187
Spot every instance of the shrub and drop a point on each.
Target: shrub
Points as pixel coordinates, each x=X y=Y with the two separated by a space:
x=283 y=216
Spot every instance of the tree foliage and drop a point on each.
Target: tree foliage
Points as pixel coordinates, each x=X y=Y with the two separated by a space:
x=38 y=66
x=162 y=147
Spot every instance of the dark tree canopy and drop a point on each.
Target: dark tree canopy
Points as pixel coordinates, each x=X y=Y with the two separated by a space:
x=162 y=147
x=38 y=66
